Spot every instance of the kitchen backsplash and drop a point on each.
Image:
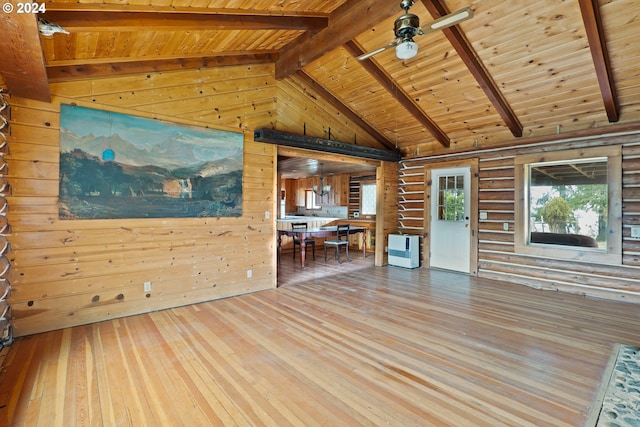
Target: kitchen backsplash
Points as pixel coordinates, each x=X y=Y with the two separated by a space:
x=325 y=211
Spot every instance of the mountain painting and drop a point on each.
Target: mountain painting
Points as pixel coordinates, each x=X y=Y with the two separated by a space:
x=115 y=166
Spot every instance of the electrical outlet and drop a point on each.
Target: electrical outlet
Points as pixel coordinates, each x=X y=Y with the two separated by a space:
x=505 y=226
x=147 y=286
x=635 y=231
x=267 y=214
x=249 y=274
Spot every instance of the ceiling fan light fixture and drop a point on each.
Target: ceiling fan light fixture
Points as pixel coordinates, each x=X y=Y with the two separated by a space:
x=407 y=49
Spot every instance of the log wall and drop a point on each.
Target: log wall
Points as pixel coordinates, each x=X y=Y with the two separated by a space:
x=76 y=272
x=496 y=254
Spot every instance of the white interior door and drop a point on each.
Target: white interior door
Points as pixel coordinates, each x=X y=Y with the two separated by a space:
x=450 y=229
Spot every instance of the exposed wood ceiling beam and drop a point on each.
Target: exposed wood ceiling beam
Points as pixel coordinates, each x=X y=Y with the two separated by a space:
x=579 y=169
x=108 y=68
x=397 y=92
x=345 y=110
x=22 y=64
x=544 y=172
x=122 y=20
x=325 y=145
x=345 y=23
x=461 y=44
x=597 y=43
x=112 y=7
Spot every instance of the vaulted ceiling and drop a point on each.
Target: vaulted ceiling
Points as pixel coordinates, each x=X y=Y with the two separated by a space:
x=516 y=71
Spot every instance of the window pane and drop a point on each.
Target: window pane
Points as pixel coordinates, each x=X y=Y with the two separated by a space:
x=368 y=199
x=568 y=203
x=310 y=200
x=451 y=198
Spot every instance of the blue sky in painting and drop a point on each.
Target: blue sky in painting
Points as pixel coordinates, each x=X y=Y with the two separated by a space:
x=145 y=134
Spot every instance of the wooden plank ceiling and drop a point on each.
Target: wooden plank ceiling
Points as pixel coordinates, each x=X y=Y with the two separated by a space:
x=514 y=72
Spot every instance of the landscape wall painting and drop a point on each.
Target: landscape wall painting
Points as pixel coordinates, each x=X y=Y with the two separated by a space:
x=120 y=166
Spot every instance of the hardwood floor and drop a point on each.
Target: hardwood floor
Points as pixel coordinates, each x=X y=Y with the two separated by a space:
x=363 y=346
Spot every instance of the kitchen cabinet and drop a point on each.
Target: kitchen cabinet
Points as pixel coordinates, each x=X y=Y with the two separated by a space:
x=337 y=196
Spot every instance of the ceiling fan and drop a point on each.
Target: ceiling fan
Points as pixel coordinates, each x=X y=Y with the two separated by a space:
x=407 y=26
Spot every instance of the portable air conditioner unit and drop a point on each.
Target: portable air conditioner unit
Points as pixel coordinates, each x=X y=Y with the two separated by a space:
x=403 y=250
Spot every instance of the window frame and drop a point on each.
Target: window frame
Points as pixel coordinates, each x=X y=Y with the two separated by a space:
x=310 y=194
x=375 y=185
x=613 y=252
x=442 y=207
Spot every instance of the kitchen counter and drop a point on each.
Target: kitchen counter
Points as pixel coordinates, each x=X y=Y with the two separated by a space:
x=312 y=221
x=358 y=220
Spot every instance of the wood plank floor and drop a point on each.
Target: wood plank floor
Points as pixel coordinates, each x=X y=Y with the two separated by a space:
x=364 y=346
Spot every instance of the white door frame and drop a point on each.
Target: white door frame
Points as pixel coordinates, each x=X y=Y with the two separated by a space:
x=472 y=164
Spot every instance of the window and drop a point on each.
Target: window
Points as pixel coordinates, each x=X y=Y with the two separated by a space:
x=310 y=200
x=451 y=198
x=566 y=204
x=368 y=199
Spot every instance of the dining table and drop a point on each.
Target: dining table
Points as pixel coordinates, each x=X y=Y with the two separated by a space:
x=324 y=231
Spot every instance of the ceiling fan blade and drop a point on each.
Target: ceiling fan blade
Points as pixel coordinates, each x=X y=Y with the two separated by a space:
x=448 y=20
x=378 y=50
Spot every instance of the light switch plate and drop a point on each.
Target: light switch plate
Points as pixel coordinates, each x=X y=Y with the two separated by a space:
x=635 y=232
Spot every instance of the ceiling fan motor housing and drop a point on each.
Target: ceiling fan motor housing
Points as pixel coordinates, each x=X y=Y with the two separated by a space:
x=406 y=4
x=407 y=25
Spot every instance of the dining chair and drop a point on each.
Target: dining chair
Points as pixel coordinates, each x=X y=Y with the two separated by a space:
x=342 y=239
x=309 y=241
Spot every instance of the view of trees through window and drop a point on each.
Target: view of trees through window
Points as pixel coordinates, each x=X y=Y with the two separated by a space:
x=451 y=198
x=570 y=197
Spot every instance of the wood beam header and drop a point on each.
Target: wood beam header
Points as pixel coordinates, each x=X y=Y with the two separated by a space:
x=172 y=21
x=325 y=145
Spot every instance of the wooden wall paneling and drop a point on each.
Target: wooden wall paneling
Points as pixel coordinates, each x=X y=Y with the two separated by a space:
x=74 y=272
x=214 y=86
x=6 y=267
x=426 y=201
x=473 y=216
x=496 y=257
x=235 y=97
x=496 y=199
x=411 y=195
x=302 y=110
x=630 y=203
x=387 y=209
x=415 y=195
x=291 y=194
x=496 y=247
x=340 y=189
x=204 y=81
